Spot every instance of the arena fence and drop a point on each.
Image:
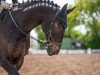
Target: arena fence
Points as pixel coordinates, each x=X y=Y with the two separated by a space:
x=88 y=51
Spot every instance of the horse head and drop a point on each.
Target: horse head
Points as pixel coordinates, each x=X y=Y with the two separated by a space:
x=56 y=31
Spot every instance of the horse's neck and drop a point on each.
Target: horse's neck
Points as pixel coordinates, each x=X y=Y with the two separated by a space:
x=30 y=18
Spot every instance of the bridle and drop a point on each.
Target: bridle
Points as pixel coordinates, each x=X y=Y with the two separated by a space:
x=38 y=40
x=50 y=34
x=50 y=30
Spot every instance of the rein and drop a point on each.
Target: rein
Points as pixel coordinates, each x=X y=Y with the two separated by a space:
x=38 y=40
x=2 y=15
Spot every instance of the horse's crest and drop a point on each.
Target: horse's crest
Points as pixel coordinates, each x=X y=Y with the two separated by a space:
x=41 y=3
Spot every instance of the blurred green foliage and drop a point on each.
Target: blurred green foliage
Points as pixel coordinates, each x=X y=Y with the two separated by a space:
x=41 y=36
x=87 y=12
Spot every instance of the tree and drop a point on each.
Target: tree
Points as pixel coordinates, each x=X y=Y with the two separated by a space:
x=41 y=36
x=87 y=12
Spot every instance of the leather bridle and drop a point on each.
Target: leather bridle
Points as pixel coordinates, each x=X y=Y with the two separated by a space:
x=50 y=30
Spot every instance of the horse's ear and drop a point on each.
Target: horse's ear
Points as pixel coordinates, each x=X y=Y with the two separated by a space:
x=70 y=10
x=62 y=11
x=64 y=8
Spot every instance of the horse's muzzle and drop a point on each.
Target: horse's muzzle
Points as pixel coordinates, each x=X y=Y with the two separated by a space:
x=51 y=53
x=53 y=50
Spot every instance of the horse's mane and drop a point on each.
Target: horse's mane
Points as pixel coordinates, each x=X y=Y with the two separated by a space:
x=35 y=3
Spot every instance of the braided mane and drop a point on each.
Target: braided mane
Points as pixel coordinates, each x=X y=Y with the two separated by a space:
x=35 y=3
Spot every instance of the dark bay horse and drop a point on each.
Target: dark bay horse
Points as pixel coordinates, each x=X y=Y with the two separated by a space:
x=14 y=44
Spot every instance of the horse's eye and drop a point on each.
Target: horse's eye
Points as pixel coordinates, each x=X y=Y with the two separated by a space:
x=59 y=27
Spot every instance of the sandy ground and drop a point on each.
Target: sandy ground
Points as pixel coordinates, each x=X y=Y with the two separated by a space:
x=60 y=65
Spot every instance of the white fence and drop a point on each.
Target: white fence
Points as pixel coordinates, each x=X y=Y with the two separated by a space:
x=89 y=51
